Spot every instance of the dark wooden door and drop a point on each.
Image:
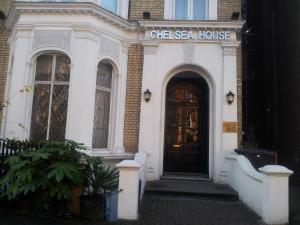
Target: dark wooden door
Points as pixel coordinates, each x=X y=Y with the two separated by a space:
x=185 y=133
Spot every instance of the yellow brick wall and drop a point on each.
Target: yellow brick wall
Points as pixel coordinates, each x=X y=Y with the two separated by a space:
x=225 y=10
x=227 y=7
x=133 y=97
x=155 y=7
x=4 y=49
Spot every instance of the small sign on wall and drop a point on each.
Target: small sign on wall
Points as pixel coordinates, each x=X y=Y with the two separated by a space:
x=229 y=127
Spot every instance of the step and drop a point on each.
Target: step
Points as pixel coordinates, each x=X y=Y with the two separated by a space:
x=181 y=177
x=199 y=188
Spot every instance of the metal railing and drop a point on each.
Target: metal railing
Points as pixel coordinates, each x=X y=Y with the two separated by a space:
x=13 y=147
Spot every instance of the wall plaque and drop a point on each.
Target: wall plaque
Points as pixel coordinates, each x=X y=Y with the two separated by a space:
x=229 y=127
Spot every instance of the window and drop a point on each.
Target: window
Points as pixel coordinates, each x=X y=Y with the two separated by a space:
x=102 y=105
x=190 y=9
x=110 y=5
x=50 y=97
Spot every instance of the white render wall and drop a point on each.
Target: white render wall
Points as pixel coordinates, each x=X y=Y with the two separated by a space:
x=86 y=41
x=217 y=66
x=266 y=191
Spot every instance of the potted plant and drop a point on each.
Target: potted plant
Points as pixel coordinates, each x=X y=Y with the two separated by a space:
x=100 y=180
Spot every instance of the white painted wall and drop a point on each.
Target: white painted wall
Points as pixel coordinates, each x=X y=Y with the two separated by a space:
x=206 y=59
x=266 y=192
x=87 y=41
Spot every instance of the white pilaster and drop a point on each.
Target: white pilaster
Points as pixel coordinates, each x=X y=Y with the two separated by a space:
x=121 y=99
x=229 y=84
x=17 y=105
x=82 y=91
x=149 y=120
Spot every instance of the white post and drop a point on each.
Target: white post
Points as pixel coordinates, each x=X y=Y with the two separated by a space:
x=129 y=186
x=275 y=208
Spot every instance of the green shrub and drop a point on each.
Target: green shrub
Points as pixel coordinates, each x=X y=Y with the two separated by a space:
x=46 y=174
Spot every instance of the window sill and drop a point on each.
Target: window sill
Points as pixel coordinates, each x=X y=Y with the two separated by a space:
x=110 y=155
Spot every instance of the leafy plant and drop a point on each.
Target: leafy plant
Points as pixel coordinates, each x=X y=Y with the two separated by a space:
x=46 y=174
x=100 y=178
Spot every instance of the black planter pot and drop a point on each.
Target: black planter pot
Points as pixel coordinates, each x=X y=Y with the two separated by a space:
x=92 y=207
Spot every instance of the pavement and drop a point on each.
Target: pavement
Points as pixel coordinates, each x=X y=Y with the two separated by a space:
x=200 y=188
x=185 y=204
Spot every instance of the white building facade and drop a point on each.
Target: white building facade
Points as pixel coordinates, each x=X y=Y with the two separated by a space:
x=75 y=57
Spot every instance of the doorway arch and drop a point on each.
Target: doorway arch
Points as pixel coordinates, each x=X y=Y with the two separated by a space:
x=186 y=131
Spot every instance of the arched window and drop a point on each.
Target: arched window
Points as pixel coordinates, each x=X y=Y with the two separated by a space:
x=50 y=98
x=102 y=105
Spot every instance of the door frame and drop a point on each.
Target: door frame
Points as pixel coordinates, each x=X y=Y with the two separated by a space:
x=199 y=85
x=211 y=113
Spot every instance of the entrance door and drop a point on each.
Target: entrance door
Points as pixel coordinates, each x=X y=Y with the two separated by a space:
x=186 y=148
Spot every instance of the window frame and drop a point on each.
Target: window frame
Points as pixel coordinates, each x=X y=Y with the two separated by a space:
x=112 y=107
x=51 y=82
x=190 y=12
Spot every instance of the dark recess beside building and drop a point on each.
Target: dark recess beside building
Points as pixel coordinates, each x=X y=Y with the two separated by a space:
x=271 y=79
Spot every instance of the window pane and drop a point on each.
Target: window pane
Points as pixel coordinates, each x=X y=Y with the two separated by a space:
x=181 y=9
x=62 y=68
x=199 y=9
x=111 y=5
x=104 y=75
x=44 y=68
x=58 y=112
x=101 y=119
x=40 y=109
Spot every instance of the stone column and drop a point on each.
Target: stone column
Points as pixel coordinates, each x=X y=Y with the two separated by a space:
x=275 y=192
x=129 y=189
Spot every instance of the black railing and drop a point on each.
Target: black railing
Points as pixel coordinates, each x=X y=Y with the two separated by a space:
x=13 y=147
x=259 y=157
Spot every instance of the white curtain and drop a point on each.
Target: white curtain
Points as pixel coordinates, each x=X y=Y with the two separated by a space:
x=181 y=9
x=199 y=8
x=111 y=5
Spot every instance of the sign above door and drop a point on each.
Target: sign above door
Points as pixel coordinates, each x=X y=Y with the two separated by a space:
x=164 y=34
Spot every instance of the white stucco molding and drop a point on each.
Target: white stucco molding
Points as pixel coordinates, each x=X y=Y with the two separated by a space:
x=55 y=38
x=232 y=25
x=22 y=32
x=85 y=32
x=150 y=47
x=125 y=46
x=85 y=8
x=229 y=48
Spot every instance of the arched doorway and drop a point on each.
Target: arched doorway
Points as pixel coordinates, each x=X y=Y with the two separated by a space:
x=186 y=125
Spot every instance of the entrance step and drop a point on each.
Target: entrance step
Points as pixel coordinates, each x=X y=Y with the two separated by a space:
x=185 y=176
x=203 y=188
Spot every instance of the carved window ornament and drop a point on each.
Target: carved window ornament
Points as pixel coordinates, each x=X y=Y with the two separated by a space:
x=50 y=97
